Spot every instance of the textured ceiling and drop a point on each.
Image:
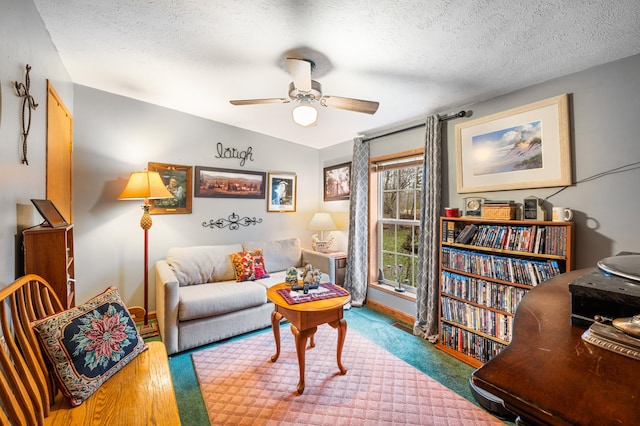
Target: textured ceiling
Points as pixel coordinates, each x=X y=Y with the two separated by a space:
x=414 y=57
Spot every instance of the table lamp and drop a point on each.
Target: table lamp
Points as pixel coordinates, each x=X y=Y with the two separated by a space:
x=322 y=222
x=145 y=186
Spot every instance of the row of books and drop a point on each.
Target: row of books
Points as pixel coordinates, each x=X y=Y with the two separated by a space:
x=528 y=239
x=483 y=292
x=468 y=343
x=484 y=320
x=515 y=270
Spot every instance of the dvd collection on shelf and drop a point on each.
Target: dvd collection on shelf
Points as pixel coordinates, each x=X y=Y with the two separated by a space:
x=486 y=268
x=515 y=270
x=529 y=239
x=483 y=320
x=483 y=292
x=469 y=343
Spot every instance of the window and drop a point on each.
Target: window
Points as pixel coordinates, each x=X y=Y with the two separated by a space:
x=398 y=197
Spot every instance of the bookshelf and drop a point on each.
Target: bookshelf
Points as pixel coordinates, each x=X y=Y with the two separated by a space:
x=48 y=252
x=486 y=268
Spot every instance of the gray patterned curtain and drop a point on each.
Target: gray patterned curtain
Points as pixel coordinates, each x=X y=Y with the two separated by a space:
x=426 y=324
x=355 y=280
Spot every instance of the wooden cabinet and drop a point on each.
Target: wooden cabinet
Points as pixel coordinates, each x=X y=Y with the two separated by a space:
x=48 y=252
x=483 y=278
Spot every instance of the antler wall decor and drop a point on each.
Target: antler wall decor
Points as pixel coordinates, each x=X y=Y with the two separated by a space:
x=28 y=103
x=233 y=222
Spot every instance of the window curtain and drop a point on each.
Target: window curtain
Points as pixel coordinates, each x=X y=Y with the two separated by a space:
x=426 y=324
x=355 y=280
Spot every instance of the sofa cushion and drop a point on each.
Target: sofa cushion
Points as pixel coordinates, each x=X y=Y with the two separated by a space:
x=208 y=300
x=202 y=264
x=278 y=255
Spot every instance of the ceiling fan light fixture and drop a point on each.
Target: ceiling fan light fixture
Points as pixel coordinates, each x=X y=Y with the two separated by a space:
x=304 y=114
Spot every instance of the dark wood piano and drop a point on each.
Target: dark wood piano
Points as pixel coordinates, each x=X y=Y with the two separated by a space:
x=549 y=376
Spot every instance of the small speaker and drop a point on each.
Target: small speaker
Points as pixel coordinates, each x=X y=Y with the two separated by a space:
x=532 y=209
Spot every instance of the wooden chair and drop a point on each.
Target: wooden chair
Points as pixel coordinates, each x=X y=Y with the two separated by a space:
x=141 y=393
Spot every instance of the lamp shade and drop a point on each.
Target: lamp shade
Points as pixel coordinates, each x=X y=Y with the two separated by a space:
x=322 y=222
x=305 y=114
x=145 y=185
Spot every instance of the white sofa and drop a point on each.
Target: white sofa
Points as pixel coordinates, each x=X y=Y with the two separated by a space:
x=198 y=300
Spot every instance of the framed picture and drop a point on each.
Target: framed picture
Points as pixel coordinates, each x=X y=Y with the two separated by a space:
x=282 y=192
x=525 y=147
x=228 y=183
x=178 y=180
x=336 y=182
x=49 y=213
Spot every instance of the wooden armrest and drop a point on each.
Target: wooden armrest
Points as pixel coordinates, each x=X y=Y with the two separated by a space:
x=139 y=394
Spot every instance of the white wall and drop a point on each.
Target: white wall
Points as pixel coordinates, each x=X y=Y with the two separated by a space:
x=24 y=40
x=114 y=136
x=604 y=104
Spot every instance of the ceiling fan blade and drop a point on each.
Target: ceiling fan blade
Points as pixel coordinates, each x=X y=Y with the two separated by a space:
x=260 y=101
x=300 y=73
x=349 y=104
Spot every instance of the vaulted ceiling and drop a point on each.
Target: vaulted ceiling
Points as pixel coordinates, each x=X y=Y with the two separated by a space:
x=415 y=57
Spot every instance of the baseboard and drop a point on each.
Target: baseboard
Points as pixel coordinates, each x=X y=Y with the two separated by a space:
x=394 y=313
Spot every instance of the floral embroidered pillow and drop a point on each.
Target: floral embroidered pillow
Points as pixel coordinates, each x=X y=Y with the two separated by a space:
x=88 y=344
x=249 y=265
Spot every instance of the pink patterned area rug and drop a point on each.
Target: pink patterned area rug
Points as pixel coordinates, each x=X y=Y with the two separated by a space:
x=241 y=386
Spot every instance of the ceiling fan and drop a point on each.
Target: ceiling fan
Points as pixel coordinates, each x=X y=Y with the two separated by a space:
x=306 y=92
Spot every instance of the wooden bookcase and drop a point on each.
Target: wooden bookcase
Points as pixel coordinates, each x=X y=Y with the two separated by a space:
x=482 y=281
x=48 y=252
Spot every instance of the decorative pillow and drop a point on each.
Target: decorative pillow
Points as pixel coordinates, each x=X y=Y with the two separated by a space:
x=88 y=344
x=260 y=270
x=249 y=265
x=243 y=265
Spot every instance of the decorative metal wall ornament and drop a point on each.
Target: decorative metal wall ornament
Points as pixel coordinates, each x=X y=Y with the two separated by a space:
x=233 y=222
x=28 y=103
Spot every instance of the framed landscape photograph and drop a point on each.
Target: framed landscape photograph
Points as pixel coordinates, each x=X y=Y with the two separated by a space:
x=282 y=192
x=336 y=182
x=178 y=180
x=524 y=147
x=228 y=183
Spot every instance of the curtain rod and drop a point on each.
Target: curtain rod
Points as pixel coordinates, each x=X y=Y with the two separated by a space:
x=446 y=117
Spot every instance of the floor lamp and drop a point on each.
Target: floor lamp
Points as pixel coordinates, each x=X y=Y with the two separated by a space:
x=145 y=186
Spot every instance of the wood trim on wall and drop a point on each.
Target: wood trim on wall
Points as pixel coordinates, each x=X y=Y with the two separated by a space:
x=59 y=154
x=394 y=313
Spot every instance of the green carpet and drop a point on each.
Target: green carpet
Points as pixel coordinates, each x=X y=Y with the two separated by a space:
x=371 y=324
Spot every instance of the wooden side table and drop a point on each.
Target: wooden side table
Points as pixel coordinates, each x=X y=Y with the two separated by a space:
x=305 y=319
x=340 y=262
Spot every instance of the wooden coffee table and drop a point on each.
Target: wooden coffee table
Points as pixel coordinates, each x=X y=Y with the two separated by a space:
x=305 y=319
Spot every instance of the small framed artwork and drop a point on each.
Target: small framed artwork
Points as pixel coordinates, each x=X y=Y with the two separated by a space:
x=336 y=182
x=524 y=147
x=49 y=213
x=178 y=180
x=229 y=183
x=282 y=192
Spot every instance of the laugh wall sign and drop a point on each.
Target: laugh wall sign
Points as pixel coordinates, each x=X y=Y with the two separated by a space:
x=229 y=153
